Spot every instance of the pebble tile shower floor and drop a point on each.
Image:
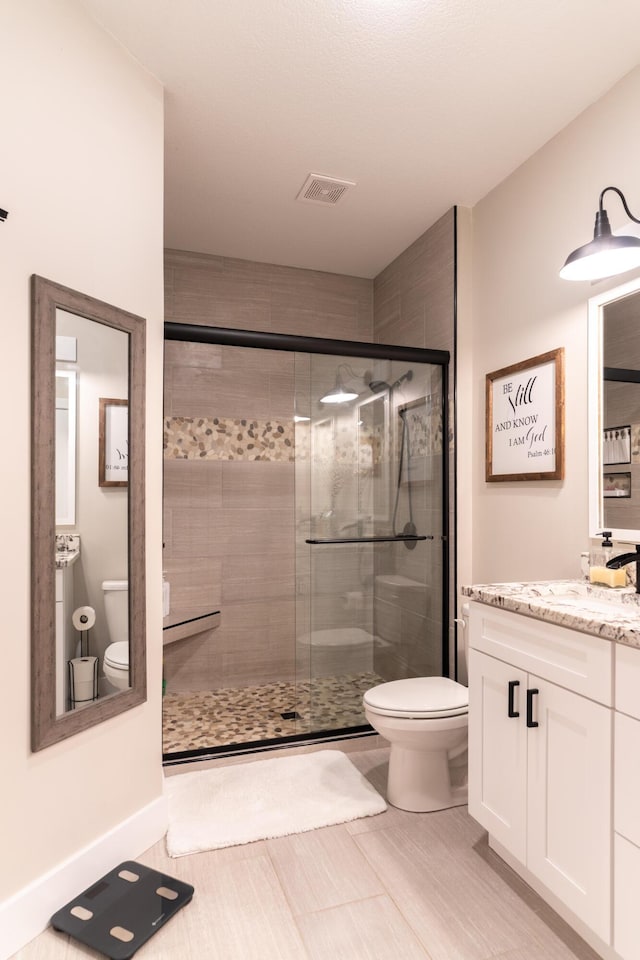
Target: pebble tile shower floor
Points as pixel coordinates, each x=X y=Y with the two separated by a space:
x=215 y=718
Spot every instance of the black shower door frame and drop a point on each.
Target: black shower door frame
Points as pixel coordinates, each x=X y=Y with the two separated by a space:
x=225 y=336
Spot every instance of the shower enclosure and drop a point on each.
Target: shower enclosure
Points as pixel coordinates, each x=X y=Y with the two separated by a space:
x=363 y=430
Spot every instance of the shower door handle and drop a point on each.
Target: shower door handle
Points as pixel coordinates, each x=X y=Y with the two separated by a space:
x=511 y=712
x=399 y=539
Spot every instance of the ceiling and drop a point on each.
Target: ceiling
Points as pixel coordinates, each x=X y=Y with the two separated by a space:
x=423 y=103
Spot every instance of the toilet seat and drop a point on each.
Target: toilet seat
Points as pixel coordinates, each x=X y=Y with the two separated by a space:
x=420 y=698
x=116 y=655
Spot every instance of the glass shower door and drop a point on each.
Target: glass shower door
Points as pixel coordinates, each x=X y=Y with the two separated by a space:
x=369 y=530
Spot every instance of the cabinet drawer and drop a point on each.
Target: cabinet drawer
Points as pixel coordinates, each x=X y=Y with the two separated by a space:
x=628 y=680
x=626 y=918
x=627 y=778
x=574 y=660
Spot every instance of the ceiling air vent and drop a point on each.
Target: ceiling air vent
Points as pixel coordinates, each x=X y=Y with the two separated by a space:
x=319 y=189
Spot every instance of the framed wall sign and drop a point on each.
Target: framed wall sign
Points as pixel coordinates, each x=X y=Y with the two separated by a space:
x=525 y=420
x=113 y=443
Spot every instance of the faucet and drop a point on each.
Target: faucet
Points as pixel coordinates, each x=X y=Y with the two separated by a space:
x=623 y=559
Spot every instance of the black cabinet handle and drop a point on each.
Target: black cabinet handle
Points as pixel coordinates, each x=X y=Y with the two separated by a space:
x=530 y=695
x=510 y=710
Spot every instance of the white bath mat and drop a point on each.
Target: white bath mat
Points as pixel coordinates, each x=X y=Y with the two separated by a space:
x=264 y=799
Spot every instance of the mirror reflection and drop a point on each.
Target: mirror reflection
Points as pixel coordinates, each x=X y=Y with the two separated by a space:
x=88 y=567
x=615 y=433
x=65 y=446
x=92 y=549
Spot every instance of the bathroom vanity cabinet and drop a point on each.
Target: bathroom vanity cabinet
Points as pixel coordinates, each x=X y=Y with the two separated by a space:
x=626 y=818
x=540 y=755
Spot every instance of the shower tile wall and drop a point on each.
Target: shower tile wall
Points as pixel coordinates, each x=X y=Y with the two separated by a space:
x=229 y=513
x=229 y=522
x=245 y=295
x=414 y=300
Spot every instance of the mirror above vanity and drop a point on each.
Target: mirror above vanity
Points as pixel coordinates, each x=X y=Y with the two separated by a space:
x=88 y=591
x=614 y=412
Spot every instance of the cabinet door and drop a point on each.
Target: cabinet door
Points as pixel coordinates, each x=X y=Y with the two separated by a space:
x=498 y=751
x=626 y=936
x=626 y=814
x=569 y=801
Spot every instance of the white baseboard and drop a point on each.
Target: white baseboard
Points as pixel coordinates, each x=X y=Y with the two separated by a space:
x=28 y=912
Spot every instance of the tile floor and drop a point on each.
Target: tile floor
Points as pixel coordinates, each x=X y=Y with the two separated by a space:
x=213 y=718
x=399 y=886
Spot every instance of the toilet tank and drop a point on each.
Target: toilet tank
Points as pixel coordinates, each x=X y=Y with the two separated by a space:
x=116 y=608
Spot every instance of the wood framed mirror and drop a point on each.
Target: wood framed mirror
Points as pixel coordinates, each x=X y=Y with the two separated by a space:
x=79 y=559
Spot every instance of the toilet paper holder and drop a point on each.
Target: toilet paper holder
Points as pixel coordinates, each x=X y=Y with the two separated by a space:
x=83 y=619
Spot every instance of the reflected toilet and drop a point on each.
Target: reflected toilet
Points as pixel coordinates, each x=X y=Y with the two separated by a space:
x=116 y=656
x=336 y=652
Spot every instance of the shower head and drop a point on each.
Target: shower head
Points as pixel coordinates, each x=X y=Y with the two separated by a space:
x=379 y=386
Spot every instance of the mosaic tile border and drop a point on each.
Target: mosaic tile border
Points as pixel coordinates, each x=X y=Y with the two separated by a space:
x=217 y=438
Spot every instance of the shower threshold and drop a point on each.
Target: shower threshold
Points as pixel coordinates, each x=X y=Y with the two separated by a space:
x=263 y=714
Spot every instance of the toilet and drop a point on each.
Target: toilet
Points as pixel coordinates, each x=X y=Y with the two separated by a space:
x=116 y=656
x=425 y=720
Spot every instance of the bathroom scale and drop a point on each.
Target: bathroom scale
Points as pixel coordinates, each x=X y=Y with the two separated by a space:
x=123 y=909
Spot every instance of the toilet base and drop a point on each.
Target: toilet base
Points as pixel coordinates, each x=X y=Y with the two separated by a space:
x=427 y=760
x=419 y=781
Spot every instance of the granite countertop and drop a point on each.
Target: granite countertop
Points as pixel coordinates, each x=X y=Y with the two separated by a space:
x=613 y=614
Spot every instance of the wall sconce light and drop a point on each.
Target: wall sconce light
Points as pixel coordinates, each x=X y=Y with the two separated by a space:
x=606 y=255
x=3 y=215
x=339 y=393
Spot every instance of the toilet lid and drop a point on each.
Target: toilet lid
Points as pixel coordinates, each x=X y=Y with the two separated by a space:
x=420 y=697
x=117 y=655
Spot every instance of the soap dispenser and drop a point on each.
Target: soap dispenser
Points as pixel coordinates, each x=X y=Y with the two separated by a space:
x=599 y=573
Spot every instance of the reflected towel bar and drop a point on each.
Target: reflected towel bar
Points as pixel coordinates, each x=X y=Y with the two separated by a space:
x=400 y=538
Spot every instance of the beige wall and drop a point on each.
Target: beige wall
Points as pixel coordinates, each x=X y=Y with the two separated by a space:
x=464 y=414
x=523 y=232
x=82 y=180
